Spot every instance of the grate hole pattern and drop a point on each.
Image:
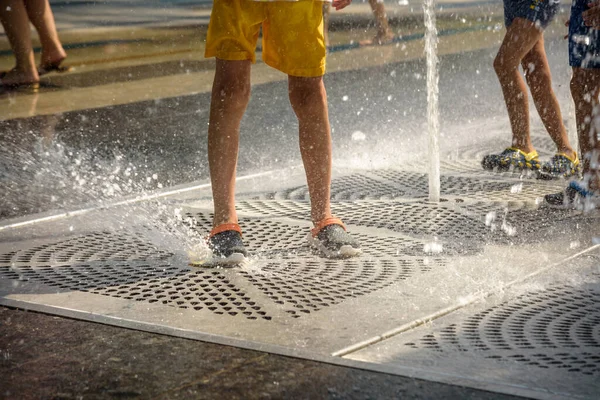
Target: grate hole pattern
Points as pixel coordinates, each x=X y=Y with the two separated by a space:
x=346 y=188
x=393 y=184
x=418 y=219
x=276 y=208
x=99 y=246
x=534 y=329
x=476 y=187
x=163 y=284
x=314 y=279
x=302 y=287
x=198 y=290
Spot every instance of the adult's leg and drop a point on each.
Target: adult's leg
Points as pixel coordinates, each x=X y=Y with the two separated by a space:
x=309 y=101
x=13 y=17
x=40 y=15
x=520 y=38
x=230 y=96
x=537 y=73
x=585 y=89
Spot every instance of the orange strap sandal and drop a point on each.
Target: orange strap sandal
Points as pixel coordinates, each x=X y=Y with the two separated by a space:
x=225 y=242
x=330 y=238
x=325 y=222
x=229 y=226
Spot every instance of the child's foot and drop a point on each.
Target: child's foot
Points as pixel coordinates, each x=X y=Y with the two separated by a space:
x=225 y=242
x=15 y=78
x=511 y=158
x=560 y=166
x=379 y=40
x=47 y=67
x=331 y=240
x=576 y=195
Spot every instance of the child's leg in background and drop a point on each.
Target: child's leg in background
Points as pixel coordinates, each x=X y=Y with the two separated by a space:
x=585 y=89
x=521 y=36
x=381 y=21
x=41 y=16
x=537 y=73
x=13 y=16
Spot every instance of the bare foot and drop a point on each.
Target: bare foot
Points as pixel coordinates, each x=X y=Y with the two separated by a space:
x=14 y=78
x=51 y=61
x=379 y=40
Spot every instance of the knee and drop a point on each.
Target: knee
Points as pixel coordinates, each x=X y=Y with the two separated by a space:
x=305 y=93
x=503 y=67
x=230 y=88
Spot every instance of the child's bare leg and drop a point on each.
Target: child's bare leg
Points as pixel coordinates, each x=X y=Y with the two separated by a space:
x=585 y=89
x=381 y=21
x=309 y=101
x=520 y=38
x=40 y=15
x=537 y=72
x=13 y=16
x=230 y=96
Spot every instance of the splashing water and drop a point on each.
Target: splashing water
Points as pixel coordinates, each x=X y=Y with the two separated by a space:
x=433 y=123
x=52 y=176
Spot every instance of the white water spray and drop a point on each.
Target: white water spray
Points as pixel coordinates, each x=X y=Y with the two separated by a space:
x=433 y=123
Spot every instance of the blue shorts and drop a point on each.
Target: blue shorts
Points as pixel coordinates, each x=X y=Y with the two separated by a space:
x=540 y=12
x=584 y=42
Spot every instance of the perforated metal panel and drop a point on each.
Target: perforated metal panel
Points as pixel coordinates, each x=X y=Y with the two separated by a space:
x=555 y=328
x=127 y=266
x=550 y=334
x=391 y=184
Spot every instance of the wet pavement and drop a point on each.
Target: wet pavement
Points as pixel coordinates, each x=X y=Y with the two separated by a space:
x=134 y=112
x=59 y=358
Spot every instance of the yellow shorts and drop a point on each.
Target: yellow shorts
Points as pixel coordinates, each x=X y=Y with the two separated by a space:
x=292 y=34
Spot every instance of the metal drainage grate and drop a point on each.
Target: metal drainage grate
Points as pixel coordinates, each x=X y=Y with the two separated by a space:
x=277 y=208
x=555 y=328
x=503 y=187
x=414 y=219
x=308 y=286
x=125 y=265
x=346 y=188
x=99 y=246
x=393 y=184
x=284 y=241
